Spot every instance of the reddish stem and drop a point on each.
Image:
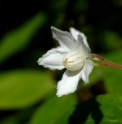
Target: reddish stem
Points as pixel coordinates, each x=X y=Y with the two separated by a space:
x=105 y=61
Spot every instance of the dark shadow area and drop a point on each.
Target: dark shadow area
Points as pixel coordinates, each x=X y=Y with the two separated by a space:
x=88 y=105
x=84 y=109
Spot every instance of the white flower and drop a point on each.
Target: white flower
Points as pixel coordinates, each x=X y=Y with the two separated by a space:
x=72 y=55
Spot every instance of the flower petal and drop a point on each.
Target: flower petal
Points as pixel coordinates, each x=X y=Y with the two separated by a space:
x=64 y=38
x=86 y=71
x=75 y=33
x=82 y=47
x=69 y=83
x=56 y=50
x=53 y=59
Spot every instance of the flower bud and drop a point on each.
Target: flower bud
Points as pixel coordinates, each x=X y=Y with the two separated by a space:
x=73 y=61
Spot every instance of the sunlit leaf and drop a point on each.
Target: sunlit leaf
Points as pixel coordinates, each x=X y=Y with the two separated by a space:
x=22 y=88
x=55 y=111
x=18 y=39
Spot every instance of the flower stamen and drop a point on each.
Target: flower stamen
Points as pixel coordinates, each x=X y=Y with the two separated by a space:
x=73 y=61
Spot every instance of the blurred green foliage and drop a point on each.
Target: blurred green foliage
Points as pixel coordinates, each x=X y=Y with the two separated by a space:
x=21 y=88
x=27 y=91
x=18 y=39
x=54 y=110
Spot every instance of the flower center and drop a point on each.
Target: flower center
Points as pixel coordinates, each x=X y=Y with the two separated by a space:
x=73 y=61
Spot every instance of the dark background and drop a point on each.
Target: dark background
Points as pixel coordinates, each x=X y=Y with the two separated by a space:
x=99 y=20
x=91 y=16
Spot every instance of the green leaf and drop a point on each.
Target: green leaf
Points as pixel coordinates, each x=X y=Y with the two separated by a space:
x=18 y=39
x=55 y=111
x=23 y=88
x=111 y=103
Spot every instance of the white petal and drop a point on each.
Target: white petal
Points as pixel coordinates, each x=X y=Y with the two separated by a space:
x=75 y=33
x=53 y=59
x=86 y=71
x=64 y=38
x=69 y=83
x=82 y=47
x=56 y=50
x=61 y=50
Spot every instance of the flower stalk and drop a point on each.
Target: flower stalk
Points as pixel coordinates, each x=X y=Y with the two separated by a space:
x=100 y=61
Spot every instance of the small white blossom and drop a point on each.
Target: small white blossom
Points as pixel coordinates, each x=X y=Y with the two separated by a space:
x=72 y=55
